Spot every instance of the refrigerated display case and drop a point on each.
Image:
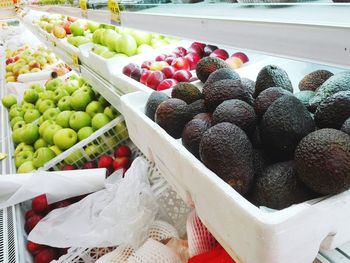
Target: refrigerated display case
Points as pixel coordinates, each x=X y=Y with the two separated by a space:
x=299 y=38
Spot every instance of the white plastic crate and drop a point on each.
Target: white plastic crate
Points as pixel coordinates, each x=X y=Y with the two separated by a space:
x=248 y=233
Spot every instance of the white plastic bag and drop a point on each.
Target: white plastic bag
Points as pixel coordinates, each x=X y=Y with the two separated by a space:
x=120 y=214
x=57 y=186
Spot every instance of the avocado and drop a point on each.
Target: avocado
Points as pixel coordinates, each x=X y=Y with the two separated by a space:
x=197 y=107
x=283 y=125
x=314 y=80
x=186 y=92
x=322 y=161
x=237 y=112
x=205 y=116
x=333 y=111
x=192 y=135
x=272 y=76
x=256 y=138
x=226 y=150
x=172 y=115
x=153 y=102
x=222 y=73
x=304 y=96
x=346 y=126
x=249 y=85
x=336 y=83
x=219 y=91
x=279 y=187
x=208 y=65
x=260 y=162
x=266 y=98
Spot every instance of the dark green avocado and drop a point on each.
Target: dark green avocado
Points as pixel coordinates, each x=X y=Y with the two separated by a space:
x=187 y=92
x=346 y=126
x=220 y=74
x=314 y=80
x=153 y=102
x=208 y=65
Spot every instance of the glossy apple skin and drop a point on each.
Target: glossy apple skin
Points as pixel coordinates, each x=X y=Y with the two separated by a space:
x=129 y=68
x=182 y=75
x=169 y=71
x=144 y=76
x=181 y=63
x=181 y=51
x=208 y=49
x=147 y=64
x=154 y=79
x=220 y=53
x=166 y=84
x=241 y=56
x=193 y=59
x=234 y=62
x=161 y=57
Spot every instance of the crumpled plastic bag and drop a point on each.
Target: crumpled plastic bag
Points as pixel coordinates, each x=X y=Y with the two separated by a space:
x=120 y=214
x=16 y=188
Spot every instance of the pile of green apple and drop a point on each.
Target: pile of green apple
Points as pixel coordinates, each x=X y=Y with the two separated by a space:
x=50 y=120
x=122 y=42
x=27 y=61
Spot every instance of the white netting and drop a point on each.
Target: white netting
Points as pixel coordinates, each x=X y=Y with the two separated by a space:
x=200 y=240
x=161 y=230
x=121 y=254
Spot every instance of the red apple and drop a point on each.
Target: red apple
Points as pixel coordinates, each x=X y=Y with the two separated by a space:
x=122 y=151
x=234 y=62
x=136 y=74
x=34 y=248
x=219 y=53
x=46 y=255
x=182 y=75
x=31 y=223
x=198 y=45
x=68 y=167
x=62 y=251
x=208 y=49
x=29 y=214
x=71 y=19
x=168 y=71
x=144 y=76
x=66 y=26
x=63 y=203
x=16 y=58
x=241 y=56
x=181 y=63
x=129 y=68
x=121 y=163
x=109 y=171
x=39 y=204
x=89 y=165
x=181 y=51
x=193 y=59
x=161 y=57
x=147 y=64
x=169 y=59
x=9 y=61
x=195 y=49
x=154 y=79
x=105 y=161
x=166 y=84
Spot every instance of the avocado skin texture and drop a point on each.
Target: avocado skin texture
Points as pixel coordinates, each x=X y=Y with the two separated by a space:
x=237 y=112
x=336 y=83
x=272 y=76
x=256 y=138
x=172 y=115
x=314 y=80
x=283 y=125
x=226 y=150
x=186 y=92
x=222 y=90
x=266 y=98
x=222 y=73
x=192 y=135
x=249 y=85
x=305 y=96
x=322 y=161
x=208 y=65
x=153 y=102
x=197 y=107
x=333 y=111
x=346 y=126
x=260 y=162
x=206 y=116
x=279 y=187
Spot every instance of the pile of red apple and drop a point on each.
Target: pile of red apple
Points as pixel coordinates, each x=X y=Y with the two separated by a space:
x=120 y=160
x=166 y=70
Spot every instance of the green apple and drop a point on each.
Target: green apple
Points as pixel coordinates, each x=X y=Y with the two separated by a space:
x=103 y=101
x=23 y=157
x=40 y=143
x=42 y=156
x=19 y=124
x=93 y=108
x=142 y=37
x=64 y=103
x=8 y=101
x=71 y=85
x=79 y=120
x=15 y=106
x=41 y=120
x=63 y=117
x=93 y=150
x=27 y=106
x=126 y=44
x=37 y=103
x=88 y=89
x=26 y=167
x=65 y=138
x=30 y=133
x=31 y=96
x=157 y=43
x=99 y=49
x=55 y=149
x=75 y=157
x=79 y=79
x=49 y=28
x=122 y=131
x=108 y=54
x=17 y=135
x=45 y=105
x=15 y=120
x=23 y=147
x=37 y=87
x=85 y=132
x=53 y=84
x=109 y=143
x=77 y=29
x=16 y=112
x=93 y=26
x=44 y=125
x=49 y=132
x=51 y=114
x=80 y=99
x=109 y=39
x=47 y=95
x=31 y=115
x=97 y=36
x=80 y=40
x=111 y=112
x=59 y=93
x=100 y=120
x=144 y=48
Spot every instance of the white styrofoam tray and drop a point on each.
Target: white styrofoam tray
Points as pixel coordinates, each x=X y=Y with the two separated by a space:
x=248 y=233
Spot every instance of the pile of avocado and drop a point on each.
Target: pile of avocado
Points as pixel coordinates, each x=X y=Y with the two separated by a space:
x=274 y=147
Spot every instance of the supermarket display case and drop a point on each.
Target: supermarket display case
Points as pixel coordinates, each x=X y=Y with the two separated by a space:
x=299 y=37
